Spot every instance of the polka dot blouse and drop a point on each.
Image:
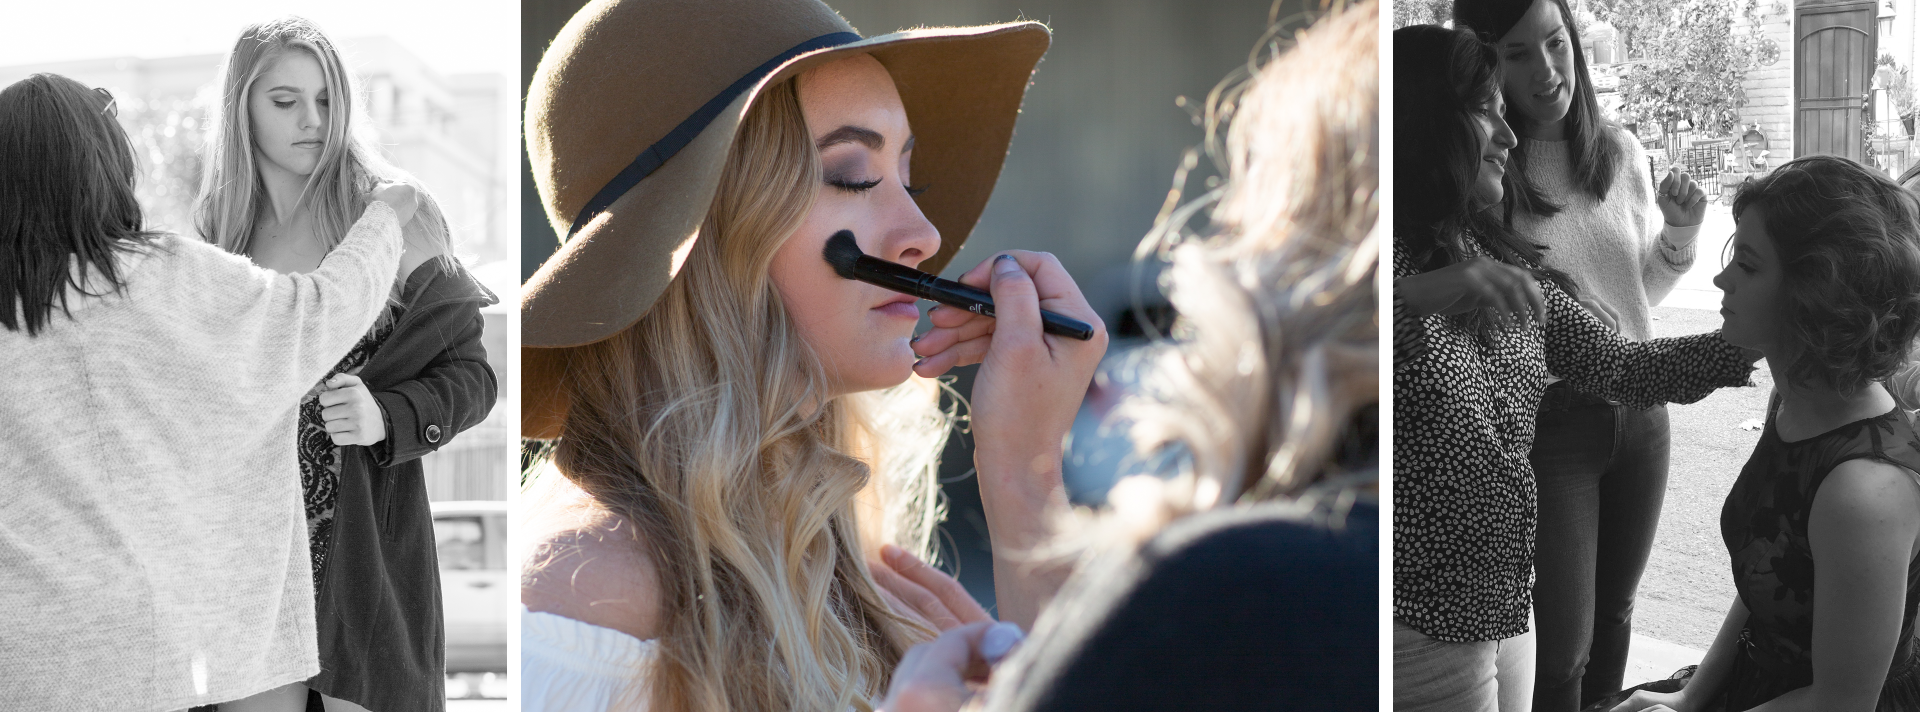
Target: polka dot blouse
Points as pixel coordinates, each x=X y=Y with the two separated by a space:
x=1463 y=412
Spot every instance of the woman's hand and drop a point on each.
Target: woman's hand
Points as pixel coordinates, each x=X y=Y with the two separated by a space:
x=403 y=198
x=915 y=587
x=1644 y=701
x=352 y=415
x=1030 y=383
x=1681 y=201
x=941 y=675
x=1478 y=283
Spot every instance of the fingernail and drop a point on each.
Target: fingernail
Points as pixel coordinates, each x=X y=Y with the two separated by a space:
x=891 y=552
x=1005 y=264
x=915 y=339
x=999 y=640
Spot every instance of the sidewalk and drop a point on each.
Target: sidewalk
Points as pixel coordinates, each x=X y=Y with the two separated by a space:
x=1649 y=660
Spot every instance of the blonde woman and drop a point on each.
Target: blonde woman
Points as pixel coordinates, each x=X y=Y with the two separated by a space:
x=1248 y=580
x=285 y=168
x=736 y=429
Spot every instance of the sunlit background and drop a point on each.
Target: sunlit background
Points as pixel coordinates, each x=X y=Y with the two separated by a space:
x=436 y=81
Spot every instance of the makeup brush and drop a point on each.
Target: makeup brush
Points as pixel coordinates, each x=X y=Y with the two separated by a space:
x=848 y=261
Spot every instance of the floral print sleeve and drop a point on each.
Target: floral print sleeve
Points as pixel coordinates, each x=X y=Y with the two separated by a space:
x=1597 y=360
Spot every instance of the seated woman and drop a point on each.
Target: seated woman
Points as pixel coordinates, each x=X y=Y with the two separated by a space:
x=1823 y=524
x=153 y=553
x=1478 y=324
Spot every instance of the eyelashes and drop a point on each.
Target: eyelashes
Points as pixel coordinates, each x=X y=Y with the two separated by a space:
x=864 y=186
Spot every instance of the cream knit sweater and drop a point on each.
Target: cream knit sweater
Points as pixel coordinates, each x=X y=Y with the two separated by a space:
x=1613 y=248
x=153 y=544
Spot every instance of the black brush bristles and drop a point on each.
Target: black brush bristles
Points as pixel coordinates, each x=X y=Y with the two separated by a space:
x=842 y=252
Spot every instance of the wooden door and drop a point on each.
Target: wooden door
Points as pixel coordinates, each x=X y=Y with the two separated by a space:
x=1834 y=46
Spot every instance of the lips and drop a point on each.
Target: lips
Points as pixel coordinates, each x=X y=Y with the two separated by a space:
x=309 y=144
x=900 y=306
x=1551 y=93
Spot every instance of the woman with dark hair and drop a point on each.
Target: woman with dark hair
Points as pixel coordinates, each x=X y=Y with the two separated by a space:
x=1581 y=190
x=1478 y=323
x=152 y=548
x=1823 y=524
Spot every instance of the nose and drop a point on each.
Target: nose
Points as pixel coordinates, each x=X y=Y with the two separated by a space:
x=1544 y=73
x=1720 y=280
x=312 y=116
x=907 y=237
x=1502 y=133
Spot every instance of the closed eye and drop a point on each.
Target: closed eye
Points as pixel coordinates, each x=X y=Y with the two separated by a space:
x=853 y=187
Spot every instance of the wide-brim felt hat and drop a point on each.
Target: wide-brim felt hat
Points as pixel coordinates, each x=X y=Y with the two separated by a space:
x=636 y=103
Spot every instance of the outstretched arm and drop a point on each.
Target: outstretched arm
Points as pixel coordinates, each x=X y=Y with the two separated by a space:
x=1674 y=370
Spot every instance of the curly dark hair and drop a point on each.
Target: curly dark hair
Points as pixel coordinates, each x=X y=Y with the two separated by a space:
x=1848 y=240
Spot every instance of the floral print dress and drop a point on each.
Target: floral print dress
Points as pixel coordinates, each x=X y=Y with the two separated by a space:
x=320 y=459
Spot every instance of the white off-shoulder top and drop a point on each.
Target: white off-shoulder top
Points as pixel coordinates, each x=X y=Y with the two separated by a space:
x=570 y=666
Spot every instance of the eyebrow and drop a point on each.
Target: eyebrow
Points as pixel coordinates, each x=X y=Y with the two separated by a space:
x=1562 y=28
x=284 y=87
x=852 y=134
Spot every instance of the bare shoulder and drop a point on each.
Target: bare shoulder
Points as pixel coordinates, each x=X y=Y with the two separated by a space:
x=1866 y=504
x=420 y=245
x=585 y=563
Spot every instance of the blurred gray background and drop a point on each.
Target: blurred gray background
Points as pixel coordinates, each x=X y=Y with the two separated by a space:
x=1093 y=157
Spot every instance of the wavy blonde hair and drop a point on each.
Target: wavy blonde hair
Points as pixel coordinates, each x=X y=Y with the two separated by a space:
x=232 y=194
x=699 y=424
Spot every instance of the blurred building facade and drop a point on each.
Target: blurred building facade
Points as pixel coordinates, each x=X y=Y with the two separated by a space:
x=444 y=129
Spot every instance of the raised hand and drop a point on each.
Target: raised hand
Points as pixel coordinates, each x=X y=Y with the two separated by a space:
x=1680 y=200
x=403 y=198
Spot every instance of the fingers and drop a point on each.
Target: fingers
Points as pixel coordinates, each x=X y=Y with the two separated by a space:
x=965 y=353
x=951 y=594
x=941 y=338
x=1016 y=302
x=916 y=597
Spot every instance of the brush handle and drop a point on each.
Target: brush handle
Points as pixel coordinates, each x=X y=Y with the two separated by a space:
x=979 y=301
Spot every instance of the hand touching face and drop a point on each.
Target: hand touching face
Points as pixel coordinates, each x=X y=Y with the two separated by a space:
x=859 y=125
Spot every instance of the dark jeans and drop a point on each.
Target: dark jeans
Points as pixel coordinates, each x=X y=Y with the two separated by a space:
x=1602 y=474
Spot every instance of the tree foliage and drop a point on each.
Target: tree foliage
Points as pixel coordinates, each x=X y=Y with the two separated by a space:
x=1421 y=12
x=1687 y=59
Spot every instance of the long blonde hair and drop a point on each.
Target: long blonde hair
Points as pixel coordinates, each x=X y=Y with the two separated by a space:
x=1277 y=352
x=232 y=192
x=709 y=425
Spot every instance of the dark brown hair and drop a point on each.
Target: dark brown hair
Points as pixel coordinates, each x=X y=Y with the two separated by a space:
x=1849 y=249
x=1442 y=79
x=66 y=194
x=1594 y=154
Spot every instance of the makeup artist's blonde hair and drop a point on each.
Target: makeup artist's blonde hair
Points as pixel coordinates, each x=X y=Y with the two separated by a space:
x=232 y=193
x=1268 y=388
x=756 y=508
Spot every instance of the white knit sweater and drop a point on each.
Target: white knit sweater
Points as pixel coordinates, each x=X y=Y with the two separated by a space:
x=1612 y=248
x=153 y=544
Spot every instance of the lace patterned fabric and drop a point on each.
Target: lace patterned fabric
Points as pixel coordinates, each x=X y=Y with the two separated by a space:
x=319 y=457
x=1764 y=523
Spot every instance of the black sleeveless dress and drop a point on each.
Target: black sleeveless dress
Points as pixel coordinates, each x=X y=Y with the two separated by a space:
x=1764 y=525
